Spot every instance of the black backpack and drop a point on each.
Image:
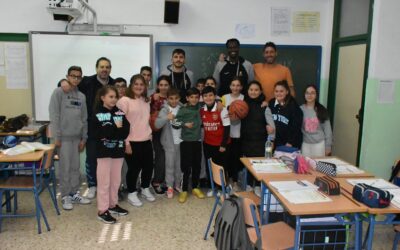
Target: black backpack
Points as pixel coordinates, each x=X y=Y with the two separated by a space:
x=229 y=229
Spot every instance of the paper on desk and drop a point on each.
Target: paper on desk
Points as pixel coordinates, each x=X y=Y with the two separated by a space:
x=25 y=147
x=378 y=183
x=293 y=185
x=269 y=166
x=304 y=196
x=342 y=167
x=396 y=197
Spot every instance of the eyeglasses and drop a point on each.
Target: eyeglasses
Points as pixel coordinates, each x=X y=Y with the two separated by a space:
x=75 y=77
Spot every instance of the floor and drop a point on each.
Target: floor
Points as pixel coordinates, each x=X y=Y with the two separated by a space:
x=163 y=224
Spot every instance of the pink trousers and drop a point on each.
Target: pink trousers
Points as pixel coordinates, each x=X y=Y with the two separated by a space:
x=108 y=182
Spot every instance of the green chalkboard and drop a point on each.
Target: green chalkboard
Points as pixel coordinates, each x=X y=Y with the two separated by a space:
x=303 y=61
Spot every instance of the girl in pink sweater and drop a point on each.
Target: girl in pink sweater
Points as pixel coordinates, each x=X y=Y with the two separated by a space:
x=139 y=149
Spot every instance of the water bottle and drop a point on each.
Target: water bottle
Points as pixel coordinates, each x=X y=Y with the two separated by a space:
x=268 y=148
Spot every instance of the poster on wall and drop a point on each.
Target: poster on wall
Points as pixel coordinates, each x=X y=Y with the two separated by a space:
x=306 y=21
x=386 y=91
x=280 y=21
x=16 y=65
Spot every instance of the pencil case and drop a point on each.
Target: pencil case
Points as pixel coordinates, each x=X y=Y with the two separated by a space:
x=372 y=196
x=326 y=168
x=328 y=185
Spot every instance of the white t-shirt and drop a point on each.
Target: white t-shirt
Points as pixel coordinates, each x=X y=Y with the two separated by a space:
x=235 y=126
x=176 y=133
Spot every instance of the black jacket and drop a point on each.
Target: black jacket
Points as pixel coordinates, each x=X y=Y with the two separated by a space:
x=109 y=138
x=253 y=131
x=288 y=120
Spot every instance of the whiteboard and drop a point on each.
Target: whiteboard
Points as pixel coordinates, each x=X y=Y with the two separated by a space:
x=53 y=53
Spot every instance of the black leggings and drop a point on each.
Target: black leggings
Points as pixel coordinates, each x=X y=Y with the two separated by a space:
x=141 y=159
x=190 y=163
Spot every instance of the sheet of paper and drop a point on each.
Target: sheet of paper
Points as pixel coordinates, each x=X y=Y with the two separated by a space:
x=386 y=92
x=280 y=21
x=245 y=30
x=342 y=167
x=378 y=183
x=293 y=185
x=269 y=166
x=306 y=21
x=16 y=65
x=2 y=59
x=396 y=197
x=305 y=196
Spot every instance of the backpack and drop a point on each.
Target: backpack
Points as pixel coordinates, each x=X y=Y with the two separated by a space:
x=230 y=231
x=394 y=176
x=15 y=123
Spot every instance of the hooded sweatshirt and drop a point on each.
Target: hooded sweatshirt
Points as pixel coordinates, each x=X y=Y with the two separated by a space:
x=171 y=130
x=180 y=80
x=188 y=114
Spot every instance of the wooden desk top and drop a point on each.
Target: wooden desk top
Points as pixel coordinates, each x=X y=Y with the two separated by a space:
x=339 y=204
x=25 y=132
x=348 y=190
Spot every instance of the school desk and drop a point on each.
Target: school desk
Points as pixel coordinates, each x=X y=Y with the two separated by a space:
x=389 y=213
x=33 y=134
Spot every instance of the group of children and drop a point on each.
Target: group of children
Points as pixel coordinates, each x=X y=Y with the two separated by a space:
x=129 y=125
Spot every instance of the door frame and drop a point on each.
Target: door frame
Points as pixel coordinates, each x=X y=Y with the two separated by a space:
x=338 y=42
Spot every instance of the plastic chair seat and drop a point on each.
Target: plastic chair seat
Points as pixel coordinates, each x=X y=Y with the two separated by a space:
x=17 y=182
x=250 y=195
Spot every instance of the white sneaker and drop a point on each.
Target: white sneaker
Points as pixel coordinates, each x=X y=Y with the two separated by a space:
x=91 y=194
x=78 y=199
x=249 y=188
x=257 y=191
x=67 y=203
x=134 y=200
x=147 y=194
x=210 y=193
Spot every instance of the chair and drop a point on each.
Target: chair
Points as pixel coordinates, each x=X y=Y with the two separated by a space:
x=397 y=236
x=272 y=236
x=50 y=178
x=217 y=175
x=31 y=183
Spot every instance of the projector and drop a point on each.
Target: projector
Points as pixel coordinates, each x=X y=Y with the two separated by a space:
x=63 y=10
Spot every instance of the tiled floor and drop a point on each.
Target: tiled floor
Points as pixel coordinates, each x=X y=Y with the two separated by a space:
x=164 y=224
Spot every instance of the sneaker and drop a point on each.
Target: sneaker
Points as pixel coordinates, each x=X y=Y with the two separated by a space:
x=178 y=189
x=67 y=203
x=106 y=218
x=158 y=189
x=118 y=210
x=249 y=188
x=91 y=193
x=257 y=191
x=147 y=194
x=78 y=199
x=170 y=193
x=198 y=193
x=210 y=193
x=134 y=200
x=183 y=197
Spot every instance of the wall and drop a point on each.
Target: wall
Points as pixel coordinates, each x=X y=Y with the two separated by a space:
x=206 y=21
x=381 y=141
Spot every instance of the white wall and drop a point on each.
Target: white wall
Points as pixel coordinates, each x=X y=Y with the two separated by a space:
x=199 y=21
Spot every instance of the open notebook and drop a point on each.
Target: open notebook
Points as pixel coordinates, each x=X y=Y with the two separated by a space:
x=269 y=166
x=25 y=147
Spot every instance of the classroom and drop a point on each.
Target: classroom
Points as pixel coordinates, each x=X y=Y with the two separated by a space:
x=348 y=45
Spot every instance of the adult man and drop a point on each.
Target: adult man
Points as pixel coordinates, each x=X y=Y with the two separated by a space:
x=270 y=72
x=146 y=72
x=233 y=65
x=89 y=87
x=180 y=77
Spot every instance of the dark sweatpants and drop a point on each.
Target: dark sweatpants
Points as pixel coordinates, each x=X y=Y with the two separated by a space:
x=190 y=163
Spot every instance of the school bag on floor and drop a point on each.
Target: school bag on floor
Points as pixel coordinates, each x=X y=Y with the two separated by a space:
x=230 y=231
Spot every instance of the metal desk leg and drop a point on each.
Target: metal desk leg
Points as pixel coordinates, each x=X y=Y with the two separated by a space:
x=358 y=234
x=370 y=232
x=297 y=233
x=245 y=179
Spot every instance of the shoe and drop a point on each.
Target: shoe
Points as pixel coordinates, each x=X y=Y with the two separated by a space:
x=170 y=193
x=249 y=188
x=118 y=210
x=147 y=194
x=134 y=200
x=236 y=187
x=158 y=188
x=198 y=193
x=210 y=193
x=67 y=203
x=183 y=197
x=257 y=191
x=106 y=218
x=178 y=189
x=78 y=199
x=91 y=194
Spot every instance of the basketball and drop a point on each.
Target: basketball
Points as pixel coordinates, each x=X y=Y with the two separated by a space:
x=238 y=109
x=10 y=141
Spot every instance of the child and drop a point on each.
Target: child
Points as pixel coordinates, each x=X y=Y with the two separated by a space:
x=158 y=99
x=210 y=81
x=316 y=129
x=216 y=125
x=235 y=146
x=256 y=126
x=287 y=116
x=170 y=140
x=190 y=146
x=138 y=147
x=68 y=123
x=120 y=84
x=200 y=84
x=110 y=128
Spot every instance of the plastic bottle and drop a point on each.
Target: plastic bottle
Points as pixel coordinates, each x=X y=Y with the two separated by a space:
x=268 y=148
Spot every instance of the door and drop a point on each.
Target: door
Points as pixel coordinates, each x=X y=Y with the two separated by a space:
x=348 y=101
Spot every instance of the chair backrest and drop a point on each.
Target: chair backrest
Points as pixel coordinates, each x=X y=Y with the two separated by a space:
x=248 y=204
x=216 y=173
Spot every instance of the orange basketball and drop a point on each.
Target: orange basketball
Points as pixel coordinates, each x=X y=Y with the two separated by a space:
x=238 y=109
